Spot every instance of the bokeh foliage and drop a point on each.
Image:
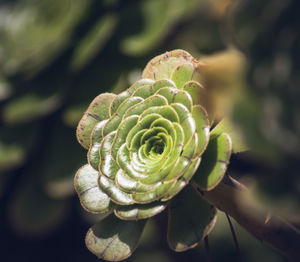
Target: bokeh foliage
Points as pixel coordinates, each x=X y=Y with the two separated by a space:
x=56 y=56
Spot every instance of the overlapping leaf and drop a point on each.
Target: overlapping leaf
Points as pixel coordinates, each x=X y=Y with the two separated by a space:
x=144 y=146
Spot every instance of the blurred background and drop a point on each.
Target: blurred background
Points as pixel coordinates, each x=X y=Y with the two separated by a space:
x=57 y=55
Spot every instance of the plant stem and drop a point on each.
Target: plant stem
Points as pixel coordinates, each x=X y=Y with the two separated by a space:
x=233 y=198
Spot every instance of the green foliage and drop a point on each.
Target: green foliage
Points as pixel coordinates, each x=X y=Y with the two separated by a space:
x=144 y=146
x=44 y=79
x=113 y=239
x=56 y=56
x=42 y=27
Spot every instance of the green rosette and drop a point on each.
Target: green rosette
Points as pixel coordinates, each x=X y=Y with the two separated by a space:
x=144 y=146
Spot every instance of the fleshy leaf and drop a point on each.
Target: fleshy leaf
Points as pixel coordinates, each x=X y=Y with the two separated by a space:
x=202 y=127
x=191 y=218
x=91 y=196
x=184 y=73
x=113 y=239
x=196 y=90
x=162 y=66
x=119 y=99
x=214 y=161
x=229 y=127
x=97 y=111
x=96 y=139
x=136 y=212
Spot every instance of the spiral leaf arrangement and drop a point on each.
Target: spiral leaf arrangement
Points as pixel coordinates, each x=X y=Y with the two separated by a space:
x=144 y=147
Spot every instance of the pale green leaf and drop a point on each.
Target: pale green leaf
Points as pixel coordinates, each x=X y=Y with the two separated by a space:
x=214 y=162
x=113 y=239
x=91 y=196
x=97 y=111
x=136 y=212
x=162 y=66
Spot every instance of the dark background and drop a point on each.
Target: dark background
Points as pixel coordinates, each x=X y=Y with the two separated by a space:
x=56 y=56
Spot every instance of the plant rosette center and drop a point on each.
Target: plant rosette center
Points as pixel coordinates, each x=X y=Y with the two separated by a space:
x=144 y=147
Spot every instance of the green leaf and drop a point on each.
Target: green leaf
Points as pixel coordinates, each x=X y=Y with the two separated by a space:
x=136 y=212
x=91 y=196
x=156 y=22
x=191 y=218
x=214 y=162
x=97 y=111
x=93 y=42
x=159 y=17
x=228 y=126
x=196 y=90
x=44 y=31
x=30 y=106
x=184 y=73
x=113 y=239
x=162 y=66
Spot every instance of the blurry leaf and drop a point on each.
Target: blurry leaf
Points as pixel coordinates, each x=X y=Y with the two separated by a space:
x=219 y=9
x=60 y=187
x=191 y=218
x=159 y=17
x=214 y=162
x=11 y=155
x=113 y=239
x=15 y=143
x=60 y=161
x=73 y=114
x=30 y=106
x=95 y=39
x=33 y=32
x=5 y=89
x=235 y=132
x=247 y=114
x=272 y=74
x=201 y=34
x=223 y=80
x=32 y=212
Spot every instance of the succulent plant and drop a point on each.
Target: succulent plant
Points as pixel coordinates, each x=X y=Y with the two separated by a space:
x=145 y=146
